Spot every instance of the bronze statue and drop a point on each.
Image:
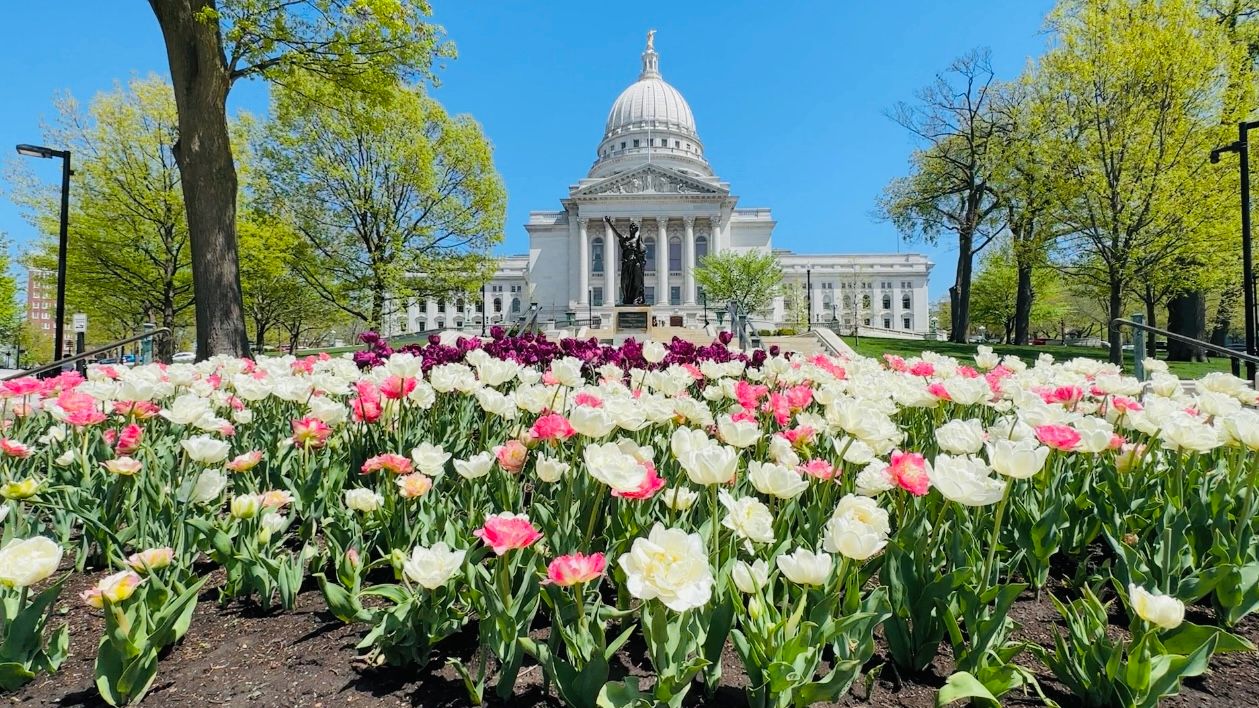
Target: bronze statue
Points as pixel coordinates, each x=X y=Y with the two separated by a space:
x=633 y=262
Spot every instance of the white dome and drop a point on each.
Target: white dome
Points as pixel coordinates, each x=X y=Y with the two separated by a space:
x=650 y=121
x=650 y=103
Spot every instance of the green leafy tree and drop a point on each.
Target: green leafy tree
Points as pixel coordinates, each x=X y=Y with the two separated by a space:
x=359 y=45
x=748 y=278
x=393 y=198
x=128 y=258
x=995 y=304
x=949 y=189
x=1139 y=88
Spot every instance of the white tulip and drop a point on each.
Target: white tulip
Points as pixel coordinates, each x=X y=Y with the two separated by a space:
x=738 y=433
x=431 y=568
x=747 y=517
x=1019 y=460
x=205 y=450
x=363 y=500
x=609 y=464
x=749 y=578
x=28 y=561
x=430 y=459
x=965 y=480
x=679 y=498
x=654 y=352
x=549 y=469
x=591 y=422
x=961 y=437
x=1160 y=610
x=476 y=466
x=710 y=464
x=858 y=528
x=776 y=480
x=669 y=565
x=803 y=567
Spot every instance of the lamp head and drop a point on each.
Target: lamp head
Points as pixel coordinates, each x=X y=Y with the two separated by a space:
x=41 y=151
x=1215 y=156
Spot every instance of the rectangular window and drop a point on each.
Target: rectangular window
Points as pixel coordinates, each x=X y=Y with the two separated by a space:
x=675 y=295
x=596 y=297
x=649 y=294
x=675 y=256
x=887 y=323
x=635 y=143
x=908 y=323
x=677 y=143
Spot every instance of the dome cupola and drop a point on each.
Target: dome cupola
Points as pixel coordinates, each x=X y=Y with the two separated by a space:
x=650 y=121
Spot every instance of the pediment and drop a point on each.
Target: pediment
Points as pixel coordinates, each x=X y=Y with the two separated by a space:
x=649 y=180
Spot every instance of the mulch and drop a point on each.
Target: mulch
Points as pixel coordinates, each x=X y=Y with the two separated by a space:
x=236 y=655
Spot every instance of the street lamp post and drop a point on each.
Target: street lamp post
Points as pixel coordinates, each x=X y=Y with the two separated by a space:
x=590 y=307
x=703 y=301
x=1242 y=148
x=59 y=339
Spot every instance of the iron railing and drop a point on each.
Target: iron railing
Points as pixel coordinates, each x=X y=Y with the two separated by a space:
x=1138 y=324
x=60 y=364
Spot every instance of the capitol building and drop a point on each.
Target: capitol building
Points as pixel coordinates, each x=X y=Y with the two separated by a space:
x=651 y=169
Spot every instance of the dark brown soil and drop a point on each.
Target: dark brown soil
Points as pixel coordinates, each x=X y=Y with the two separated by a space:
x=236 y=655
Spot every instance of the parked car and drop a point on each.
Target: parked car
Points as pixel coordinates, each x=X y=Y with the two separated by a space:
x=184 y=357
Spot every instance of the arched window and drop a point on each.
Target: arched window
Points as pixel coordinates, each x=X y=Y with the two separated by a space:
x=649 y=248
x=906 y=302
x=480 y=307
x=498 y=305
x=459 y=305
x=675 y=254
x=887 y=302
x=701 y=249
x=515 y=305
x=865 y=303
x=596 y=256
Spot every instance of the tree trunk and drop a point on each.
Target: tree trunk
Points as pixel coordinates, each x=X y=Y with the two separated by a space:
x=1151 y=318
x=1114 y=309
x=1187 y=315
x=1023 y=298
x=260 y=335
x=1223 y=321
x=201 y=80
x=959 y=294
x=164 y=345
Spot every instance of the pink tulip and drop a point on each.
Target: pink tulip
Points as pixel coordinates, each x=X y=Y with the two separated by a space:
x=507 y=531
x=575 y=568
x=511 y=456
x=909 y=471
x=310 y=432
x=1058 y=437
x=652 y=483
x=390 y=462
x=13 y=448
x=397 y=387
x=588 y=400
x=245 y=461
x=552 y=426
x=818 y=468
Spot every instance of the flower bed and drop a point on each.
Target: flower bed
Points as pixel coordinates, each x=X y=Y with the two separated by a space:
x=520 y=512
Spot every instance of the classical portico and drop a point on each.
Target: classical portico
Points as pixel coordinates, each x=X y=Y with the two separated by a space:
x=651 y=170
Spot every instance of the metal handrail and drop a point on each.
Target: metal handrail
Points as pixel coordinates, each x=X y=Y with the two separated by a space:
x=1222 y=351
x=1235 y=357
x=90 y=353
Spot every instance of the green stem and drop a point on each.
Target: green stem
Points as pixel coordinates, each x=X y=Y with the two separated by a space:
x=996 y=532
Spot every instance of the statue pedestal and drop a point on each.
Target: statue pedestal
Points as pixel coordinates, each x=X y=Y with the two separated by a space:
x=632 y=319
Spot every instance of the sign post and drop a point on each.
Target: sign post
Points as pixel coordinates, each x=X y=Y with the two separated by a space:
x=80 y=340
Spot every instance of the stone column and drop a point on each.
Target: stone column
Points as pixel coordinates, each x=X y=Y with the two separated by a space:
x=714 y=241
x=583 y=263
x=611 y=259
x=662 y=274
x=688 y=262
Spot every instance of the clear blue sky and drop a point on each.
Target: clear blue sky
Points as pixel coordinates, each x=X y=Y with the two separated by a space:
x=789 y=98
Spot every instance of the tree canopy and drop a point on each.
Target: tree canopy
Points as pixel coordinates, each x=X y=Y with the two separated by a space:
x=393 y=198
x=748 y=278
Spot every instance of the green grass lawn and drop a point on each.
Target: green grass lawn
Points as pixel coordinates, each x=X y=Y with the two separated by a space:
x=875 y=347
